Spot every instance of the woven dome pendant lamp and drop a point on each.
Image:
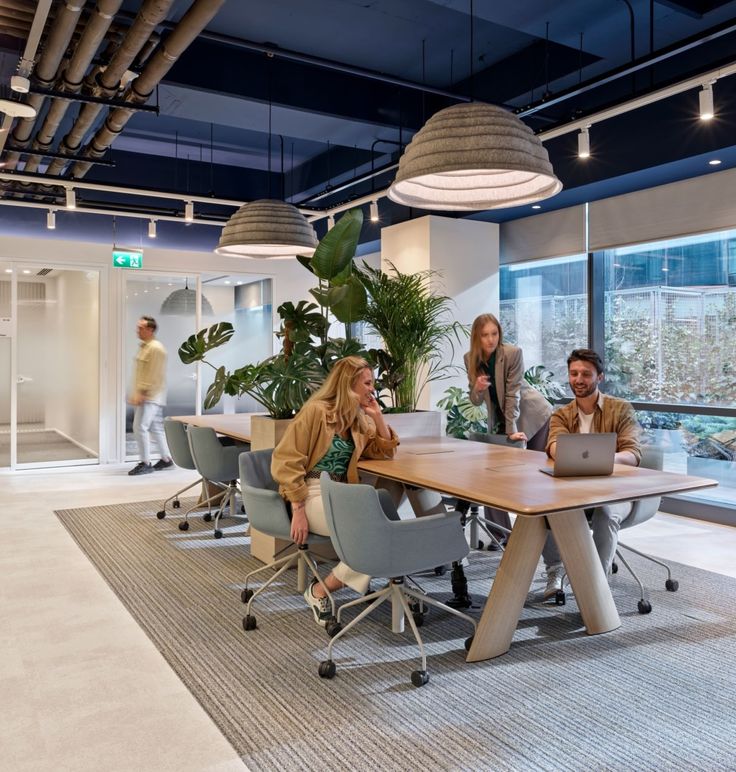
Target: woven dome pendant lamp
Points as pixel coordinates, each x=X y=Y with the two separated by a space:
x=267 y=228
x=474 y=156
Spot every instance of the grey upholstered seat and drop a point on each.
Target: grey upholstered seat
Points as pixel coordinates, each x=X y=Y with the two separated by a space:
x=218 y=464
x=176 y=438
x=641 y=511
x=267 y=513
x=370 y=541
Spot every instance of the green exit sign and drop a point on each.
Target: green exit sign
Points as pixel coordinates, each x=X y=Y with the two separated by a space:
x=127 y=258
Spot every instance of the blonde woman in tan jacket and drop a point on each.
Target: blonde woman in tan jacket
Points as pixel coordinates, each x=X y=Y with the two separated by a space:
x=339 y=424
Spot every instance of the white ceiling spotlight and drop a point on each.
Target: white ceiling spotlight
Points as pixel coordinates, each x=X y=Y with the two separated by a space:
x=71 y=199
x=152 y=229
x=705 y=100
x=189 y=212
x=584 y=143
x=20 y=84
x=51 y=220
x=374 y=211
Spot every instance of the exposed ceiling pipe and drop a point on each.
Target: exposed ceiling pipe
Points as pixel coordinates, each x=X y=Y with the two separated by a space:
x=58 y=40
x=200 y=13
x=72 y=78
x=152 y=13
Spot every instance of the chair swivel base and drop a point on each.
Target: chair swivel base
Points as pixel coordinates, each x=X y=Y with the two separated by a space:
x=399 y=594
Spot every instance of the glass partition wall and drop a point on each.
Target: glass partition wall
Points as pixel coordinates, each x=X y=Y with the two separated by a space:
x=49 y=348
x=242 y=300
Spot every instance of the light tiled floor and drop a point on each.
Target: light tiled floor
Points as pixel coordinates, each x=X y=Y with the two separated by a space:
x=81 y=686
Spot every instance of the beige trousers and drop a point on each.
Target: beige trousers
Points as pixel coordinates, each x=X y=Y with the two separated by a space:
x=318 y=524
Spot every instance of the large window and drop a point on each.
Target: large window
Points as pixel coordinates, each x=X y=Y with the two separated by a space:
x=544 y=309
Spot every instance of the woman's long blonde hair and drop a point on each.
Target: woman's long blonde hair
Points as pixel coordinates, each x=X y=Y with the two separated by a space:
x=476 y=360
x=343 y=404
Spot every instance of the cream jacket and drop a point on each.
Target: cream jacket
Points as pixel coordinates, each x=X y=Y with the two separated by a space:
x=150 y=372
x=309 y=437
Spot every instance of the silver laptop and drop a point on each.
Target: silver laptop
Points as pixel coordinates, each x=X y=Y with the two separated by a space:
x=583 y=455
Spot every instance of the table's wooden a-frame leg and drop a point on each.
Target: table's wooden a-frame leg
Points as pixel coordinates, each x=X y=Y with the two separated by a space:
x=509 y=590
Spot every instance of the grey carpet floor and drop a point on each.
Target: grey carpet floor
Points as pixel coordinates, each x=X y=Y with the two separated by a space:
x=657 y=694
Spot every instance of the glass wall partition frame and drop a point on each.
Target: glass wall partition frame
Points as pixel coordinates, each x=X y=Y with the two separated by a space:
x=7 y=374
x=52 y=320
x=544 y=309
x=245 y=302
x=172 y=300
x=670 y=345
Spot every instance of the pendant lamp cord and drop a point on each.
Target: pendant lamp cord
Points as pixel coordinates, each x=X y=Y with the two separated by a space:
x=472 y=57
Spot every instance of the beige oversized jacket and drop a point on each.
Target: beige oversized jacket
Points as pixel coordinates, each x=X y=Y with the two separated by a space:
x=306 y=441
x=149 y=379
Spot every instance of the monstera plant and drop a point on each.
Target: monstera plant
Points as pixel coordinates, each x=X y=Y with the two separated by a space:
x=282 y=383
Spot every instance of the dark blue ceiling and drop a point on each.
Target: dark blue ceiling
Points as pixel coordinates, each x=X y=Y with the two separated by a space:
x=337 y=82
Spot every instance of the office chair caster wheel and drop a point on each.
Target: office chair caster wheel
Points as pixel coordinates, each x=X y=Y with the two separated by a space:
x=246 y=595
x=333 y=627
x=327 y=669
x=218 y=533
x=242 y=509
x=419 y=677
x=644 y=606
x=560 y=598
x=176 y=504
x=614 y=568
x=440 y=570
x=249 y=623
x=161 y=514
x=468 y=642
x=480 y=544
x=418 y=619
x=207 y=517
x=672 y=585
x=184 y=525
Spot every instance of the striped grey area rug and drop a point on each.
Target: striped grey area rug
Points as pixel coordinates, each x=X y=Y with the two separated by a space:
x=657 y=694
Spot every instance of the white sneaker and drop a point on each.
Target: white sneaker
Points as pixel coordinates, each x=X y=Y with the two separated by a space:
x=554 y=575
x=320 y=606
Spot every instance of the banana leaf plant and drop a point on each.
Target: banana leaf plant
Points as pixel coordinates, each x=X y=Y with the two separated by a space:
x=282 y=383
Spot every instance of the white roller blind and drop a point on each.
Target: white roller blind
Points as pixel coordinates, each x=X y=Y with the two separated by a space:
x=552 y=234
x=697 y=205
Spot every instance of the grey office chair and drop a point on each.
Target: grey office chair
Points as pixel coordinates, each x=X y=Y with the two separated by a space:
x=176 y=437
x=267 y=513
x=641 y=511
x=218 y=464
x=370 y=541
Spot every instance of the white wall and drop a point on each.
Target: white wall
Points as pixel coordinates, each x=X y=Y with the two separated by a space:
x=466 y=254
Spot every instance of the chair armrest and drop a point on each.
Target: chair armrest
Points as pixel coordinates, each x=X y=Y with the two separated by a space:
x=427 y=541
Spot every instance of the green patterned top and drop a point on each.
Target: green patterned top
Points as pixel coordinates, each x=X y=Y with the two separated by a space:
x=337 y=458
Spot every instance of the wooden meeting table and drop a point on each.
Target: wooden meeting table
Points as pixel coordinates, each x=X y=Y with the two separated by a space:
x=509 y=479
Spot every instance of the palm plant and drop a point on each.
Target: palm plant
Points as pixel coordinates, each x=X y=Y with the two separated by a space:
x=415 y=325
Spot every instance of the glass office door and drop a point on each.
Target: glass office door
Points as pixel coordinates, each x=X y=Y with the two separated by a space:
x=49 y=402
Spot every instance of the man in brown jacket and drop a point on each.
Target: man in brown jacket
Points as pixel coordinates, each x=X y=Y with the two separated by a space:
x=592 y=411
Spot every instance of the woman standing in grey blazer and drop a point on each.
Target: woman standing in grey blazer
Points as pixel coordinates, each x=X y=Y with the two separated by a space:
x=496 y=377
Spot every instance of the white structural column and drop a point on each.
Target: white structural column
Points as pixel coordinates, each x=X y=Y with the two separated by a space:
x=466 y=254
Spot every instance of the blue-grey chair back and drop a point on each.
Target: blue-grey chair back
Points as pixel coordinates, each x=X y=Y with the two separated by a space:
x=645 y=509
x=176 y=437
x=214 y=461
x=370 y=542
x=265 y=507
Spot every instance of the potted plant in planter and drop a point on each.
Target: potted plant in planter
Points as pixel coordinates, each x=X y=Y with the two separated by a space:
x=415 y=325
x=283 y=382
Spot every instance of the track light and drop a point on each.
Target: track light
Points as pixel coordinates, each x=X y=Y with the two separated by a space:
x=189 y=212
x=584 y=143
x=152 y=229
x=705 y=98
x=330 y=221
x=51 y=219
x=374 y=211
x=71 y=199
